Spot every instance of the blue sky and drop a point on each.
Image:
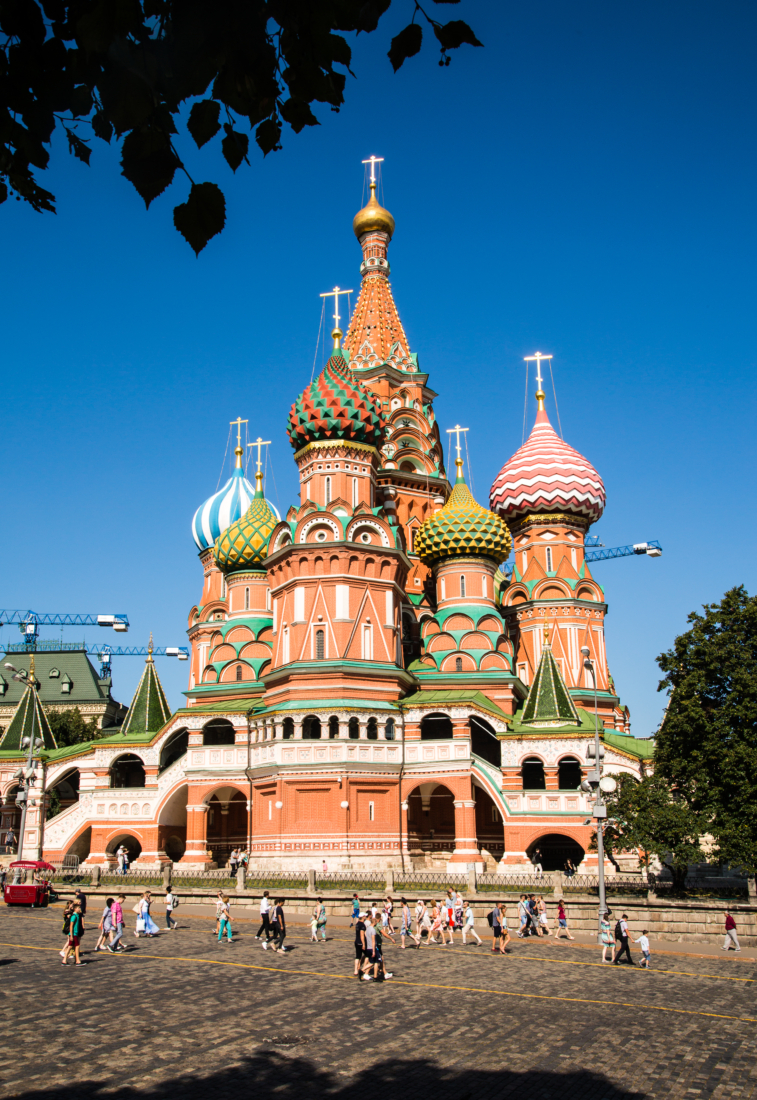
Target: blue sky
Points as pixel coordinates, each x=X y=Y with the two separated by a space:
x=583 y=185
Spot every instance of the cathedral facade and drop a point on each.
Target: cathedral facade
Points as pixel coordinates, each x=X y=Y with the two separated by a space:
x=369 y=686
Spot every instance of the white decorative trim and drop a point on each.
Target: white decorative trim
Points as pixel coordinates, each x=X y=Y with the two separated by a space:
x=315 y=521
x=361 y=522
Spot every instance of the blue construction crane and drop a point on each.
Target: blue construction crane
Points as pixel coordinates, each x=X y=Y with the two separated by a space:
x=652 y=549
x=29 y=622
x=102 y=652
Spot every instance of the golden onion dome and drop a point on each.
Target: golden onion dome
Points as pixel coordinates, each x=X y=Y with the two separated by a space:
x=462 y=527
x=373 y=217
x=244 y=544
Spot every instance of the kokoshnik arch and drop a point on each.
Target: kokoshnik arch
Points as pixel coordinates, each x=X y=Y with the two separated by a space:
x=366 y=684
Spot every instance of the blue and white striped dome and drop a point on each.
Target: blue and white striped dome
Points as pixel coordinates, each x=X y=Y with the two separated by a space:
x=222 y=509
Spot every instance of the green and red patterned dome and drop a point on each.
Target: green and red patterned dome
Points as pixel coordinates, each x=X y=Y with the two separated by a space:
x=244 y=544
x=336 y=406
x=462 y=527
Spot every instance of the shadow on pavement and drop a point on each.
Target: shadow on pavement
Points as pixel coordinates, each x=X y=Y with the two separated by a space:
x=295 y=1076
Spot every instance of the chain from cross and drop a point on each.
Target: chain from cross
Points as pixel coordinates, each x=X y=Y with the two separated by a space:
x=259 y=443
x=336 y=292
x=457 y=429
x=537 y=358
x=373 y=161
x=239 y=422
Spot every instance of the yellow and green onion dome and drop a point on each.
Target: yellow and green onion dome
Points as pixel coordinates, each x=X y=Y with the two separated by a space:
x=244 y=544
x=462 y=527
x=336 y=406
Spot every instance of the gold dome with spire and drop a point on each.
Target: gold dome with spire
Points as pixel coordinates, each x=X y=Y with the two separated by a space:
x=373 y=217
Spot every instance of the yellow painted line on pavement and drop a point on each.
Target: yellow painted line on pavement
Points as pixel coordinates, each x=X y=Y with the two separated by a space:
x=416 y=985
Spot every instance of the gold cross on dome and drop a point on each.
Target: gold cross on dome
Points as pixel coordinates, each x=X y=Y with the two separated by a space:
x=373 y=161
x=259 y=443
x=457 y=429
x=537 y=358
x=337 y=332
x=239 y=422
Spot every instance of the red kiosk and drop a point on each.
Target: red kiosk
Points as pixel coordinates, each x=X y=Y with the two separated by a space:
x=36 y=893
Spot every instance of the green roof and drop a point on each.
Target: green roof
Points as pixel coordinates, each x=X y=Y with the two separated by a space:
x=549 y=702
x=149 y=710
x=643 y=747
x=53 y=669
x=446 y=698
x=29 y=721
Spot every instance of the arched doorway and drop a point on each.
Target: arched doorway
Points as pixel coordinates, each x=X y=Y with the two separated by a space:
x=218 y=732
x=554 y=850
x=436 y=727
x=63 y=793
x=127 y=771
x=484 y=741
x=431 y=819
x=173 y=749
x=130 y=843
x=227 y=823
x=490 y=828
x=172 y=824
x=11 y=813
x=82 y=846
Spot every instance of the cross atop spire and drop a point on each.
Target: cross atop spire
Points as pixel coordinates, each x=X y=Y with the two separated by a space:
x=238 y=451
x=259 y=443
x=337 y=332
x=457 y=429
x=373 y=161
x=537 y=358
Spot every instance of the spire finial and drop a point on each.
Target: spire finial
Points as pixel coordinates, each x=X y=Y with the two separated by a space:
x=32 y=681
x=373 y=161
x=238 y=450
x=149 y=660
x=546 y=632
x=458 y=461
x=259 y=443
x=337 y=333
x=537 y=358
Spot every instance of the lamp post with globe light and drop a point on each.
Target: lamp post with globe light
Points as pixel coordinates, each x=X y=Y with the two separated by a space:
x=34 y=744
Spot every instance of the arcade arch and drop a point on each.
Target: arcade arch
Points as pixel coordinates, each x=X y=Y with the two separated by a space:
x=127 y=771
x=174 y=747
x=553 y=850
x=431 y=818
x=218 y=732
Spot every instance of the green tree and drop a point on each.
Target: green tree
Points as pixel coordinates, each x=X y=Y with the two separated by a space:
x=653 y=819
x=70 y=727
x=130 y=68
x=706 y=748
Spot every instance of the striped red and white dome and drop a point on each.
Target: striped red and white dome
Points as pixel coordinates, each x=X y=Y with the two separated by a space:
x=547 y=475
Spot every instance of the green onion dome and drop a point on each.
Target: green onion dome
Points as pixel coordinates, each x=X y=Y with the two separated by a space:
x=244 y=545
x=462 y=527
x=336 y=406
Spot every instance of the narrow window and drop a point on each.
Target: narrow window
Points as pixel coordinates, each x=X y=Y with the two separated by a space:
x=270 y=808
x=354 y=492
x=462 y=586
x=239 y=672
x=495 y=815
x=389 y=729
x=367 y=644
x=286 y=646
x=354 y=729
x=412 y=540
x=573 y=559
x=268 y=600
x=319 y=645
x=524 y=558
x=458 y=664
x=328 y=490
x=444 y=589
x=371 y=810
x=247 y=599
x=223 y=588
x=484 y=586
x=549 y=559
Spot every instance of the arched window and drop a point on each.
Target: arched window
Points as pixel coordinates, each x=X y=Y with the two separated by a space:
x=532 y=772
x=247 y=599
x=239 y=673
x=320 y=645
x=458 y=664
x=354 y=726
x=127 y=771
x=372 y=729
x=333 y=727
x=328 y=490
x=218 y=732
x=389 y=729
x=435 y=727
x=175 y=747
x=462 y=586
x=569 y=774
x=354 y=492
x=311 y=728
x=549 y=559
x=288 y=728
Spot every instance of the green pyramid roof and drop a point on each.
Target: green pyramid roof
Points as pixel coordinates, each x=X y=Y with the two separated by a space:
x=149 y=709
x=549 y=702
x=29 y=720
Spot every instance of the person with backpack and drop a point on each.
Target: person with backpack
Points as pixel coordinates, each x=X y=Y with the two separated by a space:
x=74 y=936
x=171 y=903
x=621 y=933
x=68 y=910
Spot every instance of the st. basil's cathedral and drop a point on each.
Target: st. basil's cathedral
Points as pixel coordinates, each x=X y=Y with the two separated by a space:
x=369 y=685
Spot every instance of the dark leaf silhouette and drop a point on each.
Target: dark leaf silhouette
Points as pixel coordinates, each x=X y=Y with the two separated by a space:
x=235 y=146
x=202 y=216
x=406 y=44
x=78 y=147
x=149 y=161
x=455 y=34
x=203 y=121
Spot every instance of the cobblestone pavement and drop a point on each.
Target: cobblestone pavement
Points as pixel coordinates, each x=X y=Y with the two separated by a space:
x=181 y=1016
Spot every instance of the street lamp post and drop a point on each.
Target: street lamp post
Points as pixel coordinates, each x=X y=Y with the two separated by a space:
x=593 y=781
x=33 y=744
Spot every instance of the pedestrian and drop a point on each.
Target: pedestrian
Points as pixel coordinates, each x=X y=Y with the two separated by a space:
x=3 y=876
x=117 y=920
x=448 y=915
x=370 y=947
x=421 y=920
x=224 y=924
x=386 y=919
x=379 y=966
x=120 y=858
x=458 y=910
x=10 y=841
x=643 y=942
x=496 y=927
x=523 y=916
x=562 y=922
x=467 y=924
x=321 y=919
x=68 y=910
x=171 y=903
x=407 y=924
x=81 y=897
x=361 y=945
x=278 y=924
x=325 y=868
x=219 y=904
x=105 y=926
x=536 y=860
x=504 y=938
x=233 y=862
x=314 y=925
x=74 y=936
x=436 y=924
x=541 y=908
x=621 y=933
x=265 y=917
x=731 y=939
x=127 y=861
x=145 y=923
x=355 y=910
x=605 y=934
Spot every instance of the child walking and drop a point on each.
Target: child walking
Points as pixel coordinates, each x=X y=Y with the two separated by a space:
x=643 y=942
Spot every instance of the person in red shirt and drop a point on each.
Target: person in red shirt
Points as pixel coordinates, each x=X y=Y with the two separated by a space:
x=731 y=939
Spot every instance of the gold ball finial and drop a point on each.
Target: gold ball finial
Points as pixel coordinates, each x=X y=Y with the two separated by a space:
x=373 y=217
